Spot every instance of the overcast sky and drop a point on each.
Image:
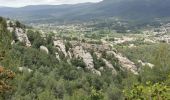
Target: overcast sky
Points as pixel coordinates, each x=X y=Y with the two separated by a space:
x=20 y=3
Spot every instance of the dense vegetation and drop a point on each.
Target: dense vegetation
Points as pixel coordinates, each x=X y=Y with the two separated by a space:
x=54 y=80
x=139 y=10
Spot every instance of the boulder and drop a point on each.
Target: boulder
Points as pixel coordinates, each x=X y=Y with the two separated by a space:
x=13 y=42
x=21 y=69
x=69 y=54
x=101 y=68
x=146 y=64
x=43 y=48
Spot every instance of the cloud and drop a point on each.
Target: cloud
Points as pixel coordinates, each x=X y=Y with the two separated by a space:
x=19 y=3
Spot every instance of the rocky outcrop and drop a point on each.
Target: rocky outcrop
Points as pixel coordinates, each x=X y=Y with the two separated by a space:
x=107 y=63
x=96 y=47
x=69 y=54
x=125 y=62
x=146 y=64
x=22 y=36
x=60 y=46
x=13 y=42
x=110 y=66
x=163 y=38
x=43 y=48
x=22 y=69
x=131 y=46
x=123 y=40
x=57 y=56
x=146 y=40
x=10 y=29
x=79 y=52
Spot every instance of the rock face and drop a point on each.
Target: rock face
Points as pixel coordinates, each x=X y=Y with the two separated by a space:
x=43 y=48
x=163 y=38
x=149 y=40
x=60 y=46
x=125 y=62
x=22 y=36
x=69 y=54
x=79 y=52
x=110 y=66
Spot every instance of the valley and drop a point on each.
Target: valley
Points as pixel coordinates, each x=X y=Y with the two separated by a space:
x=72 y=52
x=108 y=50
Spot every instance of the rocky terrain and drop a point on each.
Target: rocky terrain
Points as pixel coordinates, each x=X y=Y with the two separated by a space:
x=20 y=34
x=81 y=51
x=70 y=64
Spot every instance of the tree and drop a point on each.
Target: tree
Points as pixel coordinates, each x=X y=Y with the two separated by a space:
x=5 y=77
x=46 y=95
x=157 y=91
x=19 y=25
x=96 y=95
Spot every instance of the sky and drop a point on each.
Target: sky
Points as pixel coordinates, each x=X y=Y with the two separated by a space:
x=21 y=3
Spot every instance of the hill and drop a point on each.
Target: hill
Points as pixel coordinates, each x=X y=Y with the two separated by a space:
x=46 y=66
x=126 y=9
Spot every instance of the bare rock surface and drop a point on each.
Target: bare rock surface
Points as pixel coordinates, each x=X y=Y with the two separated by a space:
x=125 y=62
x=21 y=69
x=79 y=52
x=43 y=48
x=22 y=36
x=110 y=66
x=60 y=46
x=146 y=64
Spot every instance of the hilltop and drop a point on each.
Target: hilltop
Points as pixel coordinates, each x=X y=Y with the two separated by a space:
x=142 y=10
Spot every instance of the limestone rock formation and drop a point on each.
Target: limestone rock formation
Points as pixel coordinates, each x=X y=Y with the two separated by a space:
x=146 y=64
x=110 y=66
x=22 y=36
x=123 y=40
x=69 y=54
x=79 y=52
x=60 y=45
x=57 y=56
x=43 y=48
x=125 y=62
x=21 y=69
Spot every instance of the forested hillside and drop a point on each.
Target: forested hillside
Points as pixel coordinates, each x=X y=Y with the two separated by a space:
x=29 y=71
x=127 y=9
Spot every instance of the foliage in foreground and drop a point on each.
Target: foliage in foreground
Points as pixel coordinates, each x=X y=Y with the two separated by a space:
x=51 y=79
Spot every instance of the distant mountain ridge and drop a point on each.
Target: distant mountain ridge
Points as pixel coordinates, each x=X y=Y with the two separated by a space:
x=131 y=9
